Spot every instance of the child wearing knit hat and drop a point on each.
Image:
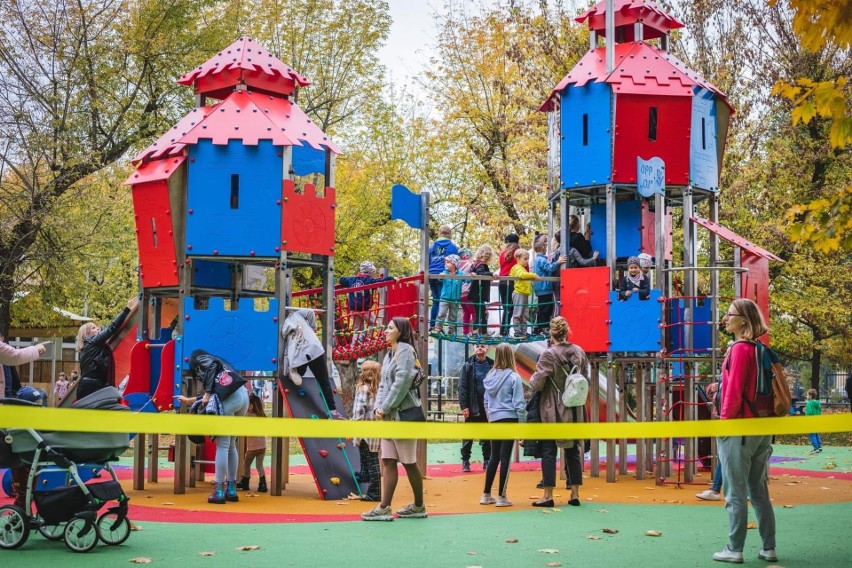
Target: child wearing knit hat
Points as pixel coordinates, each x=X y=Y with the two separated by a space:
x=361 y=315
x=634 y=282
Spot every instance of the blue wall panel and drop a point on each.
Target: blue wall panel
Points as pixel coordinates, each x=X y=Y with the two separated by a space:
x=211 y=274
x=703 y=159
x=589 y=164
x=215 y=226
x=628 y=235
x=635 y=323
x=244 y=337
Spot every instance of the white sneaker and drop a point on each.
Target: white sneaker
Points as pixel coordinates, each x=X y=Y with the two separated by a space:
x=709 y=495
x=378 y=513
x=728 y=555
x=487 y=499
x=295 y=377
x=768 y=555
x=503 y=502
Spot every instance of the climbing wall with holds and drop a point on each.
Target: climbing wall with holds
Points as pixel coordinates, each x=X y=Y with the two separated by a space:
x=333 y=461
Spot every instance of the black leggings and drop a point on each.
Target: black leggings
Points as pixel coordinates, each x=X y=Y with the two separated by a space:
x=319 y=368
x=506 y=288
x=88 y=386
x=501 y=453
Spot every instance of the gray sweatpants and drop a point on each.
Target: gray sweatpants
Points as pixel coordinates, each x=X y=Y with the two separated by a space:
x=745 y=465
x=448 y=314
x=521 y=314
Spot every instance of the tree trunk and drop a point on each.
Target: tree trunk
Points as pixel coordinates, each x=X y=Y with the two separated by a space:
x=816 y=361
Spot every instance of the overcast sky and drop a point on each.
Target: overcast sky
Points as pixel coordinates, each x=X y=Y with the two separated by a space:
x=407 y=49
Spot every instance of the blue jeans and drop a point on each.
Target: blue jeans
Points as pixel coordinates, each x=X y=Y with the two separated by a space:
x=435 y=286
x=816 y=440
x=717 y=477
x=226 y=446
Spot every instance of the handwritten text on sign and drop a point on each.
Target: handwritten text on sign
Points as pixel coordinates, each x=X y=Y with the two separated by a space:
x=650 y=176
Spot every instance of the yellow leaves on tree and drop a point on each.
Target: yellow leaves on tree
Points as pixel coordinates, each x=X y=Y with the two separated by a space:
x=824 y=222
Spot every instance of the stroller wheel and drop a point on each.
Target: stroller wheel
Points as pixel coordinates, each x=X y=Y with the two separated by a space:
x=112 y=531
x=14 y=527
x=80 y=535
x=51 y=532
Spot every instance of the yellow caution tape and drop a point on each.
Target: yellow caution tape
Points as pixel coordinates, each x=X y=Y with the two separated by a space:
x=73 y=420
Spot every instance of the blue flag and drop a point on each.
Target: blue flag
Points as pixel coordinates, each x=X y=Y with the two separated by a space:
x=405 y=206
x=650 y=176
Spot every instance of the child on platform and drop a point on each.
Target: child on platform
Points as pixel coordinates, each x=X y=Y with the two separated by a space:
x=368 y=448
x=361 y=302
x=634 y=282
x=543 y=289
x=480 y=290
x=450 y=297
x=813 y=408
x=255 y=449
x=468 y=310
x=521 y=295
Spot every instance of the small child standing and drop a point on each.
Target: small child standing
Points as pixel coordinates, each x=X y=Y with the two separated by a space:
x=544 y=268
x=255 y=449
x=813 y=408
x=468 y=311
x=451 y=291
x=521 y=295
x=480 y=290
x=368 y=448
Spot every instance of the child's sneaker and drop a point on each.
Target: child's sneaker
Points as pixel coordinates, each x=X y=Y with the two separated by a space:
x=378 y=513
x=295 y=377
x=709 y=495
x=503 y=502
x=728 y=555
x=487 y=499
x=335 y=415
x=412 y=511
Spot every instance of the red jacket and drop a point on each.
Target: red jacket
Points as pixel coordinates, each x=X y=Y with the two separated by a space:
x=739 y=376
x=506 y=264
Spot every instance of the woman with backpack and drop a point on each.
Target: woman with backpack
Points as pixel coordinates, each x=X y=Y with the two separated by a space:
x=744 y=459
x=551 y=370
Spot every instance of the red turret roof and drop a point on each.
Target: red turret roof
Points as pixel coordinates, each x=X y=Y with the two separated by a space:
x=243 y=62
x=167 y=144
x=251 y=117
x=640 y=68
x=655 y=21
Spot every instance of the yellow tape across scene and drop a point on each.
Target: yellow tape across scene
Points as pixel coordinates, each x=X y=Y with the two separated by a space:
x=73 y=420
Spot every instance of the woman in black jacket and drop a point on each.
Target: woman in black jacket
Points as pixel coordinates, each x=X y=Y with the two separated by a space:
x=219 y=378
x=97 y=366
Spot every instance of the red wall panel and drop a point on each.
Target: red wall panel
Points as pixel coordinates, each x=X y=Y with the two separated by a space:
x=308 y=220
x=672 y=136
x=584 y=293
x=755 y=283
x=154 y=234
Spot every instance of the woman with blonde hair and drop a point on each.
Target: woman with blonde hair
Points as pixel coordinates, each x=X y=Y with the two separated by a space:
x=548 y=379
x=97 y=366
x=744 y=459
x=504 y=402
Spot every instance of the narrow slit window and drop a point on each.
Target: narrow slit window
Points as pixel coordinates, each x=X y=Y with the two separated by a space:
x=235 y=191
x=703 y=134
x=585 y=130
x=154 y=232
x=652 y=124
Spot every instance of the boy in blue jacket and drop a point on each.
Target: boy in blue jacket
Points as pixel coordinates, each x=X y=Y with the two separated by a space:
x=439 y=250
x=450 y=297
x=543 y=289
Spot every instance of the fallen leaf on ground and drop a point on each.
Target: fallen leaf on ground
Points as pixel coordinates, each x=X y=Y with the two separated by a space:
x=353 y=497
x=134 y=527
x=511 y=540
x=650 y=488
x=653 y=533
x=553 y=564
x=610 y=531
x=548 y=550
x=471 y=553
x=602 y=511
x=752 y=525
x=167 y=503
x=788 y=506
x=593 y=537
x=208 y=553
x=141 y=560
x=556 y=510
x=249 y=547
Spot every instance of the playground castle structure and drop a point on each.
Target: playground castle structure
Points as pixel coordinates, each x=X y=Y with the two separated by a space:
x=238 y=193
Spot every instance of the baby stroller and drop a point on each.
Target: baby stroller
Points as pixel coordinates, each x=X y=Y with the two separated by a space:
x=68 y=512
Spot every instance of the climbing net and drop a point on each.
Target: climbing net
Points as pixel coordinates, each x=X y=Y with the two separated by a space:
x=361 y=314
